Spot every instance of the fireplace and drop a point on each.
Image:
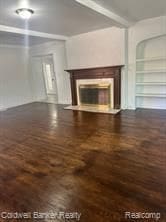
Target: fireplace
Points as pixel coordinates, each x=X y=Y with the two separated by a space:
x=97 y=87
x=95 y=93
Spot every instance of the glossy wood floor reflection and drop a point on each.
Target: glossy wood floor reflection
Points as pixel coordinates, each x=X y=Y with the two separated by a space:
x=100 y=165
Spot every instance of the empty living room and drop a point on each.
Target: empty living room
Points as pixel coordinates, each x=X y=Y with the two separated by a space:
x=82 y=111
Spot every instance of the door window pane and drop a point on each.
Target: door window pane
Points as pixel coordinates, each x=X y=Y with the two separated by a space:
x=49 y=76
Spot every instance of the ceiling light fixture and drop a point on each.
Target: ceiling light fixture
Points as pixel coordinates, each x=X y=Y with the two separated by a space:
x=25 y=13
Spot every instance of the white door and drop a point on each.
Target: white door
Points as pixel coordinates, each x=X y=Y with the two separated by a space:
x=49 y=74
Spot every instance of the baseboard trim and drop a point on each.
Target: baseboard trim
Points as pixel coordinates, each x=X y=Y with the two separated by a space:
x=3 y=109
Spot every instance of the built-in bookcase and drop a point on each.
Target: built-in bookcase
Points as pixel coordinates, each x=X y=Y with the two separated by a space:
x=151 y=73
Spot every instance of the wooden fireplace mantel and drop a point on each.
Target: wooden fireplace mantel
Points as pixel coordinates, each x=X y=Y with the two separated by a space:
x=97 y=73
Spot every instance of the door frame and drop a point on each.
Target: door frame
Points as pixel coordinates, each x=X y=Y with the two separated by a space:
x=42 y=56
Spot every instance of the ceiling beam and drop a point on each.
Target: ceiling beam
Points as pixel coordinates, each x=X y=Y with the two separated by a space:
x=32 y=33
x=106 y=12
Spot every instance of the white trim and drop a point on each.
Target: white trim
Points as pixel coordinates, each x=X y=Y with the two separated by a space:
x=32 y=33
x=17 y=105
x=2 y=109
x=126 y=56
x=106 y=12
x=14 y=46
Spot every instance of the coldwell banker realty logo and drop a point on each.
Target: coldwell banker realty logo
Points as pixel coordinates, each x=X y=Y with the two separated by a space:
x=71 y=216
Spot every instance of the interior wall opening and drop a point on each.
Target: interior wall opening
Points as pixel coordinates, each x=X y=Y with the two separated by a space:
x=44 y=79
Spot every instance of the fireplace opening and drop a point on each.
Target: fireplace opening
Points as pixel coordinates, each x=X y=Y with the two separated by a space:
x=95 y=93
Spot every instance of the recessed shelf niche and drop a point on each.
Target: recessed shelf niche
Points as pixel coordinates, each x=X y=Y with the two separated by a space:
x=151 y=73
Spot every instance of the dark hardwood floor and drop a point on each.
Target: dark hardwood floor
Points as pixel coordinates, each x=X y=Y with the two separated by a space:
x=99 y=165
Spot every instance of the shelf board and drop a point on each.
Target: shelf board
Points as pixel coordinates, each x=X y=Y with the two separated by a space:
x=151 y=95
x=151 y=71
x=151 y=59
x=151 y=83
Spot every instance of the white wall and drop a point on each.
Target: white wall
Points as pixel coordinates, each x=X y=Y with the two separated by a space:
x=57 y=49
x=20 y=84
x=14 y=80
x=140 y=31
x=95 y=49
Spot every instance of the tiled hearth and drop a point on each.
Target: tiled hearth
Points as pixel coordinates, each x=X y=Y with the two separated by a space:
x=93 y=109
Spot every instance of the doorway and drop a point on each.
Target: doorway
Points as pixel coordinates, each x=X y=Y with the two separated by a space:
x=50 y=79
x=44 y=85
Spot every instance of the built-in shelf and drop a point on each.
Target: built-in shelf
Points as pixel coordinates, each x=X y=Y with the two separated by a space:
x=151 y=95
x=151 y=59
x=151 y=83
x=151 y=71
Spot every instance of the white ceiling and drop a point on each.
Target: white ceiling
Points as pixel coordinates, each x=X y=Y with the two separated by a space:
x=62 y=17
x=135 y=10
x=68 y=17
